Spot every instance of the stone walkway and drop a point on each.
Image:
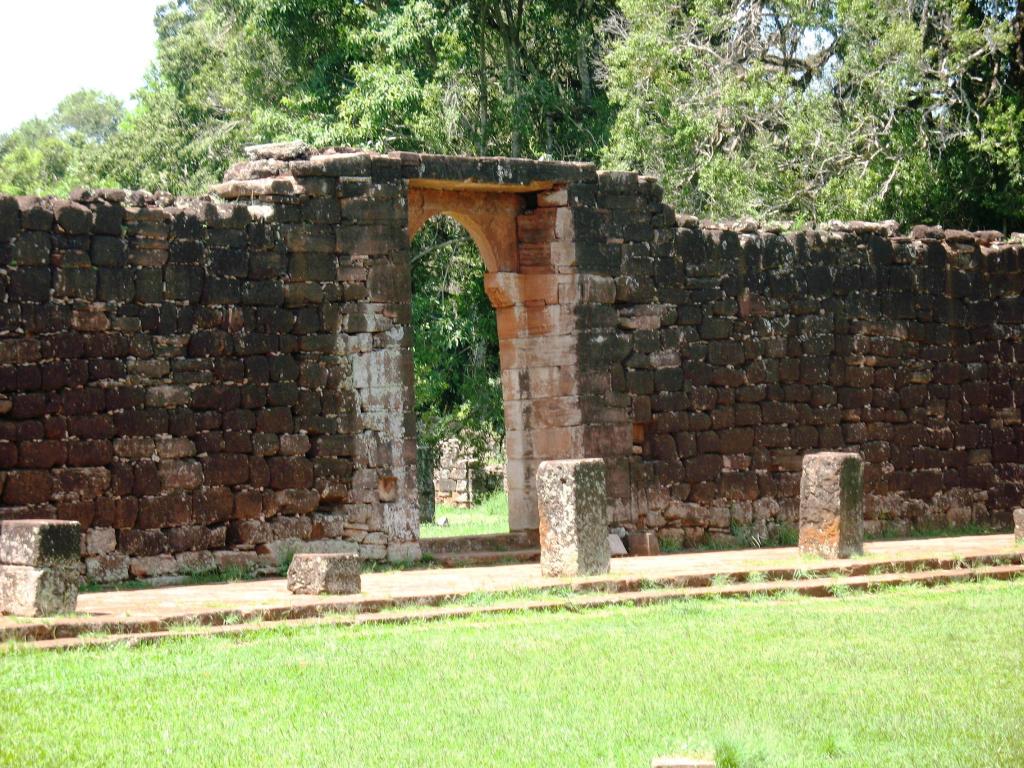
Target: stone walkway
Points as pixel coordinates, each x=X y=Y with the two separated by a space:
x=154 y=609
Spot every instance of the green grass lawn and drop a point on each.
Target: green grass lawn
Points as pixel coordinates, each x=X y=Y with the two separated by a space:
x=490 y=516
x=905 y=677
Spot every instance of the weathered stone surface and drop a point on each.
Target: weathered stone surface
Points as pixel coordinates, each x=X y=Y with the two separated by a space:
x=152 y=566
x=40 y=543
x=832 y=505
x=404 y=552
x=324 y=574
x=28 y=591
x=573 y=517
x=1018 y=525
x=615 y=546
x=642 y=543
x=107 y=568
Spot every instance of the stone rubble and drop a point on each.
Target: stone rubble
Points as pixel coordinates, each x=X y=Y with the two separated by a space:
x=324 y=574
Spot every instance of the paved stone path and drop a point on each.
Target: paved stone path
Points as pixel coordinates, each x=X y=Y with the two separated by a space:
x=166 y=603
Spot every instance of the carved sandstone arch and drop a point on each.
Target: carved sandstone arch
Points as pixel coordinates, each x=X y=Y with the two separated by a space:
x=530 y=279
x=489 y=217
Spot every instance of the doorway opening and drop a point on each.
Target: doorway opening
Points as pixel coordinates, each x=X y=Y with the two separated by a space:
x=457 y=374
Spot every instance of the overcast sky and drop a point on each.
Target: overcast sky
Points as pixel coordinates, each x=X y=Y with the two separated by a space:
x=50 y=48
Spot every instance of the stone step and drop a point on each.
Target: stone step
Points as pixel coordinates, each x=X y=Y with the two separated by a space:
x=65 y=637
x=501 y=557
x=491 y=542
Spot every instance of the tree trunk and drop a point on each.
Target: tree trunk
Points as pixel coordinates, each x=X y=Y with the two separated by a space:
x=482 y=105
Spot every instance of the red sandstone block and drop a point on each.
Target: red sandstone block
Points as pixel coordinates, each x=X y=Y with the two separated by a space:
x=89 y=453
x=248 y=504
x=212 y=505
x=291 y=472
x=226 y=469
x=136 y=541
x=166 y=511
x=42 y=454
x=27 y=487
x=116 y=512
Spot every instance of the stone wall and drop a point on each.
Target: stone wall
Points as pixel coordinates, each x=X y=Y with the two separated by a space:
x=724 y=353
x=199 y=387
x=206 y=384
x=462 y=478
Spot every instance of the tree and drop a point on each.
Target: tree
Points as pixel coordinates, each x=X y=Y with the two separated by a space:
x=51 y=156
x=817 y=110
x=455 y=339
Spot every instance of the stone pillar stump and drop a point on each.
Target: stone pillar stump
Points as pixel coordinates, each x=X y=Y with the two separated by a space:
x=39 y=567
x=1018 y=525
x=573 y=518
x=832 y=505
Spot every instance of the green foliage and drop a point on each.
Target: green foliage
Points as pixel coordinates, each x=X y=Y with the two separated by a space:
x=455 y=339
x=840 y=109
x=51 y=156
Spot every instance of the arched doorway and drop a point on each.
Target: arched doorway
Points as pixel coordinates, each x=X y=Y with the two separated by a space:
x=531 y=281
x=457 y=386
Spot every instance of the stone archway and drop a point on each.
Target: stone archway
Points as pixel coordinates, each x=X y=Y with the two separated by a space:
x=530 y=280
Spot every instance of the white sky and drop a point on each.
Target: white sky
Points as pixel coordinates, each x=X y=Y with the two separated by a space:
x=50 y=48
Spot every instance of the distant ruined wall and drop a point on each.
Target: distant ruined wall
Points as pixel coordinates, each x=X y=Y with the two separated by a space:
x=205 y=384
x=462 y=477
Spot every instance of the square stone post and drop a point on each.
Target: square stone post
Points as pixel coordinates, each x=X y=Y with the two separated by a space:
x=573 y=518
x=39 y=567
x=832 y=505
x=1018 y=526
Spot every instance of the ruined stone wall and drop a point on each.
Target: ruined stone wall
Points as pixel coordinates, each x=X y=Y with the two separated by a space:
x=732 y=351
x=205 y=384
x=193 y=383
x=462 y=475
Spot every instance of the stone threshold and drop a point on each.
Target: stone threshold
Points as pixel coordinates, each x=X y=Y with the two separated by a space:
x=821 y=587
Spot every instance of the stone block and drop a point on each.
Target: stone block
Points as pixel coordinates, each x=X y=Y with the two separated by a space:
x=1018 y=525
x=642 y=544
x=152 y=567
x=29 y=591
x=40 y=543
x=106 y=569
x=404 y=552
x=573 y=518
x=832 y=505
x=615 y=546
x=324 y=574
